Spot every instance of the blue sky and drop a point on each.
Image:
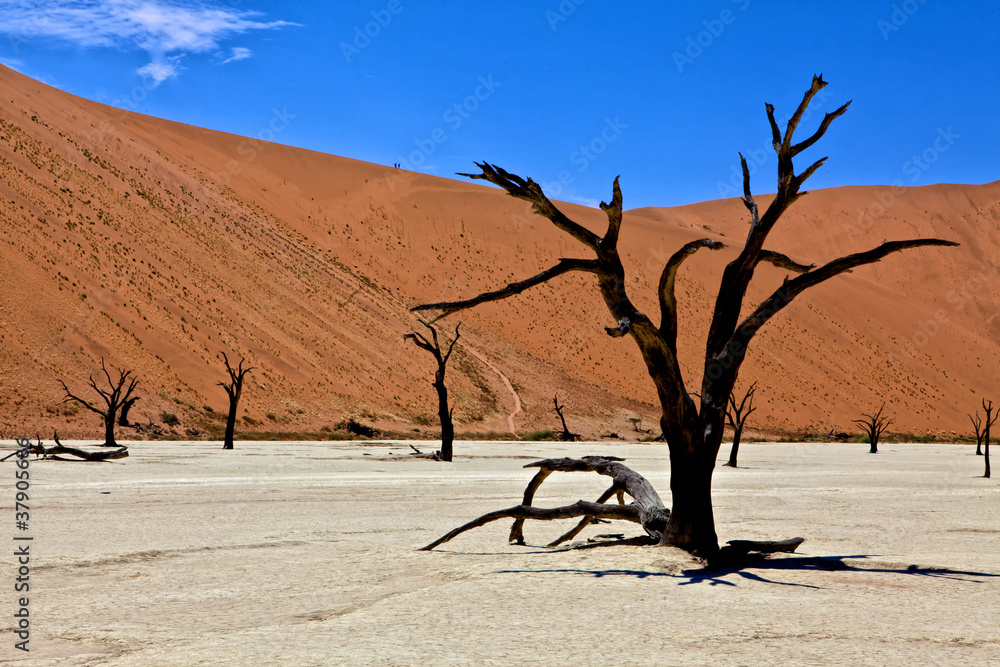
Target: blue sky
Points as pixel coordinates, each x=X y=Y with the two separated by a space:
x=570 y=93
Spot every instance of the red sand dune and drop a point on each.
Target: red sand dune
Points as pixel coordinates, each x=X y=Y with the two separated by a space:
x=156 y=245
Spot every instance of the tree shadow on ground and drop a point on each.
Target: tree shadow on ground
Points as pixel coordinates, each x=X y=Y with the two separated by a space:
x=750 y=570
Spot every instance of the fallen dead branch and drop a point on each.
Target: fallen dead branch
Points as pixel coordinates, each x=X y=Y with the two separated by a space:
x=645 y=509
x=53 y=453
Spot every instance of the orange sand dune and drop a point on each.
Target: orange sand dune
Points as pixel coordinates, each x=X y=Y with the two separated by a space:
x=157 y=245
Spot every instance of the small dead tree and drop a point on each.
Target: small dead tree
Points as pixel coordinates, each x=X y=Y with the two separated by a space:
x=977 y=423
x=114 y=397
x=987 y=423
x=693 y=432
x=126 y=406
x=234 y=388
x=566 y=435
x=873 y=425
x=444 y=412
x=737 y=416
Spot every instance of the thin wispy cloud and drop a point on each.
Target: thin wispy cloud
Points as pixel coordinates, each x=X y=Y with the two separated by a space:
x=159 y=72
x=239 y=53
x=165 y=29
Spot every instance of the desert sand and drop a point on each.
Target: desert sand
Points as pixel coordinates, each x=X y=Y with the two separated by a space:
x=157 y=245
x=300 y=553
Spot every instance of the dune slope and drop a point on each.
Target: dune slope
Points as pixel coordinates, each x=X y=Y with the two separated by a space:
x=157 y=245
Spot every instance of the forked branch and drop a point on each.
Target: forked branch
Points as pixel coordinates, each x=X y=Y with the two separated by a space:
x=784 y=295
x=532 y=193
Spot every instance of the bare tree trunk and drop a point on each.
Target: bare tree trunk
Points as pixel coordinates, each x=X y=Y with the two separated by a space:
x=444 y=414
x=987 y=423
x=737 y=432
x=230 y=424
x=691 y=524
x=109 y=430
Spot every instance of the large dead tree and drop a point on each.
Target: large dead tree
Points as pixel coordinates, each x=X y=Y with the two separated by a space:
x=234 y=388
x=987 y=423
x=737 y=416
x=873 y=425
x=114 y=397
x=693 y=432
x=444 y=412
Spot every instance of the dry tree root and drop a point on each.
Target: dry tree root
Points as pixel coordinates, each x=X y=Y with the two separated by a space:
x=646 y=509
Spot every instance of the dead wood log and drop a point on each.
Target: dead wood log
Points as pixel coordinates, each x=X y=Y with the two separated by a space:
x=646 y=509
x=54 y=452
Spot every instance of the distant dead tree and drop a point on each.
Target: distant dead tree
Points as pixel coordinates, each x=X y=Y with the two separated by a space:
x=693 y=433
x=114 y=397
x=636 y=423
x=566 y=435
x=873 y=425
x=126 y=406
x=977 y=423
x=444 y=412
x=234 y=388
x=737 y=416
x=987 y=423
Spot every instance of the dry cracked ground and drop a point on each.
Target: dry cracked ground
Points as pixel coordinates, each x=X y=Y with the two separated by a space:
x=307 y=554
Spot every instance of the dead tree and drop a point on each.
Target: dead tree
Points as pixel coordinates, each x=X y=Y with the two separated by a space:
x=693 y=433
x=114 y=397
x=737 y=416
x=566 y=435
x=126 y=406
x=444 y=412
x=873 y=425
x=977 y=423
x=987 y=423
x=234 y=389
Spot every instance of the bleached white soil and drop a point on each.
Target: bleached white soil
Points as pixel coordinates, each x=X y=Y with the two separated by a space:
x=306 y=554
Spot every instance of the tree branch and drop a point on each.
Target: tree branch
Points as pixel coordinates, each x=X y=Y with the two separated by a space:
x=71 y=397
x=784 y=262
x=565 y=265
x=827 y=119
x=783 y=295
x=532 y=193
x=668 y=300
x=614 y=212
x=579 y=508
